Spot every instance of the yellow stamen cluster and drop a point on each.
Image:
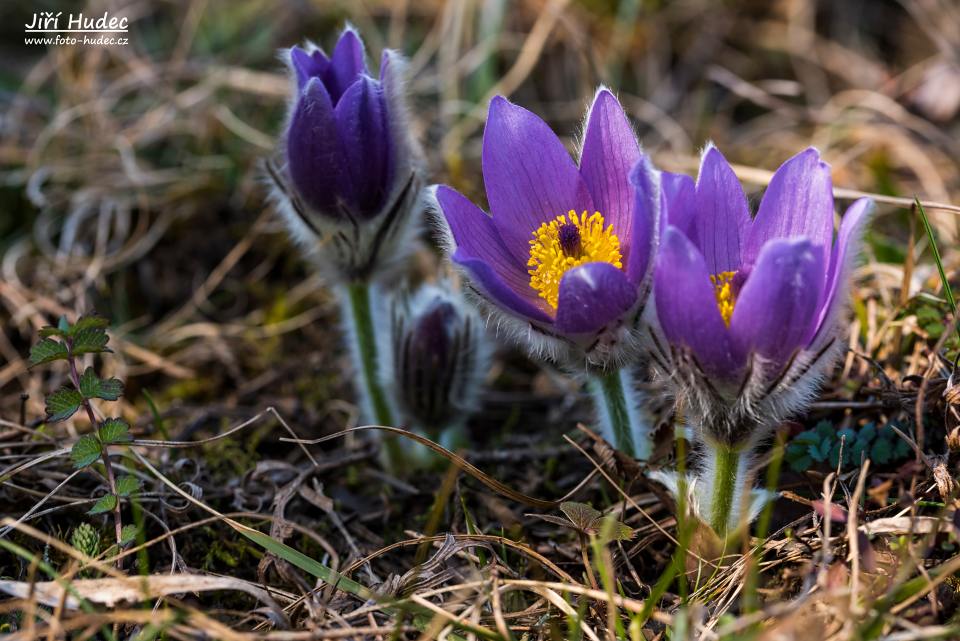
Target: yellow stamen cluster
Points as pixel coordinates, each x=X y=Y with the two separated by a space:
x=723 y=290
x=549 y=262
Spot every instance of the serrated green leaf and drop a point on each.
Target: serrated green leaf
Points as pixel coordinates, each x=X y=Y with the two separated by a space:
x=795 y=451
x=881 y=451
x=63 y=404
x=85 y=451
x=114 y=430
x=48 y=331
x=110 y=389
x=128 y=534
x=92 y=386
x=809 y=437
x=801 y=464
x=858 y=450
x=106 y=503
x=835 y=455
x=84 y=323
x=127 y=485
x=848 y=434
x=47 y=351
x=900 y=449
x=91 y=340
x=825 y=429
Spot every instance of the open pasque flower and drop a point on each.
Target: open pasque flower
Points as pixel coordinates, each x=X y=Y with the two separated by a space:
x=750 y=307
x=750 y=311
x=564 y=259
x=348 y=177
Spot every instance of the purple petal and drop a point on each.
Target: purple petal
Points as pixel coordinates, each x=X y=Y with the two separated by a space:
x=346 y=64
x=844 y=254
x=363 y=126
x=778 y=304
x=314 y=159
x=529 y=176
x=679 y=193
x=308 y=65
x=592 y=296
x=798 y=202
x=722 y=218
x=610 y=150
x=647 y=218
x=687 y=307
x=476 y=237
x=483 y=276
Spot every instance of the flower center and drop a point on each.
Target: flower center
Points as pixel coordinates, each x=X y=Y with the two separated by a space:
x=566 y=242
x=723 y=291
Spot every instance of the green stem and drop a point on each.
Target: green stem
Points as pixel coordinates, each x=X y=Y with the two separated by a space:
x=726 y=469
x=614 y=397
x=364 y=350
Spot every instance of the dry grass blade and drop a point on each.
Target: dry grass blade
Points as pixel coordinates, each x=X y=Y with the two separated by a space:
x=114 y=591
x=458 y=461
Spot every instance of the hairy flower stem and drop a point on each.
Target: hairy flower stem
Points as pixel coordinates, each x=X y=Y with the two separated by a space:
x=615 y=398
x=726 y=462
x=363 y=347
x=104 y=453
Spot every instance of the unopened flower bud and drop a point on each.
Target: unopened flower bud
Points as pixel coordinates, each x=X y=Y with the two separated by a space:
x=436 y=360
x=348 y=175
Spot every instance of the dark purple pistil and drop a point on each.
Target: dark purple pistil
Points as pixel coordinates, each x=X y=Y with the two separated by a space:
x=569 y=237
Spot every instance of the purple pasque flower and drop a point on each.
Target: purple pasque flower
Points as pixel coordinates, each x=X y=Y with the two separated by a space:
x=349 y=164
x=563 y=262
x=750 y=307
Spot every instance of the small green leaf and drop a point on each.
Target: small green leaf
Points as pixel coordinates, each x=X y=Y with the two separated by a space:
x=89 y=341
x=48 y=331
x=825 y=429
x=848 y=434
x=128 y=534
x=900 y=449
x=809 y=437
x=62 y=404
x=881 y=452
x=801 y=464
x=835 y=455
x=106 y=503
x=857 y=451
x=127 y=485
x=85 y=451
x=817 y=454
x=580 y=515
x=92 y=386
x=47 y=351
x=613 y=527
x=114 y=430
x=85 y=323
